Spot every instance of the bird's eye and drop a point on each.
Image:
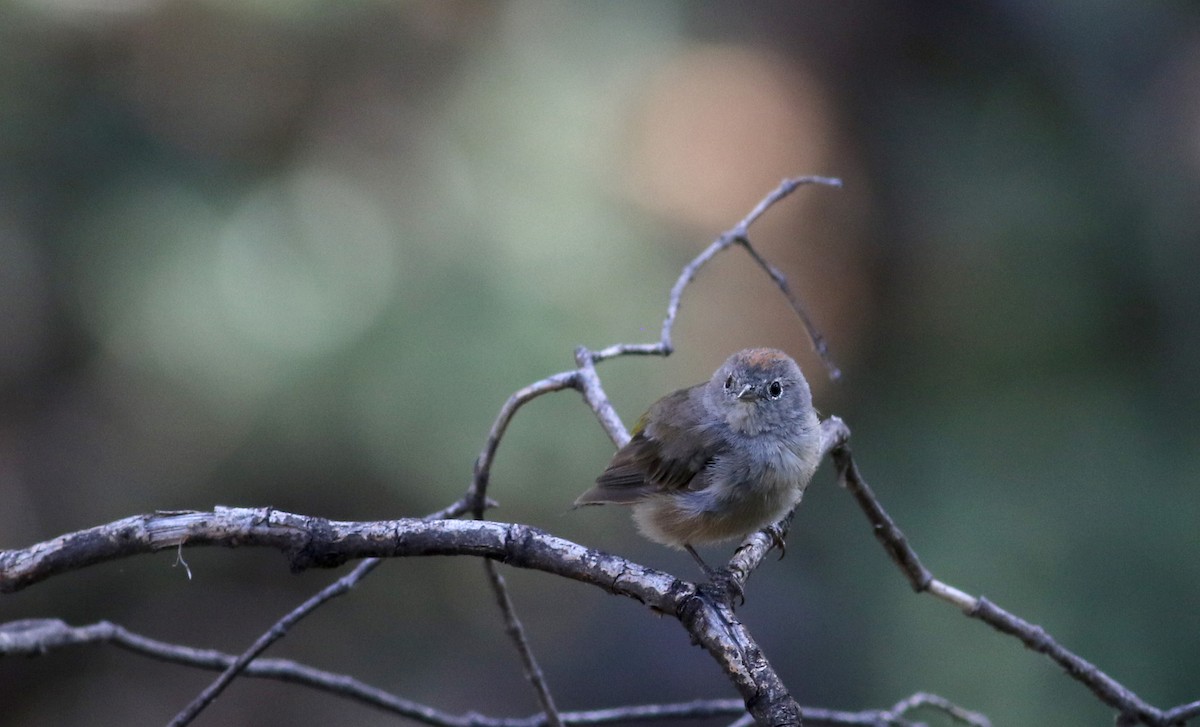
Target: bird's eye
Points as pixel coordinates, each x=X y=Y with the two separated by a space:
x=775 y=390
x=729 y=382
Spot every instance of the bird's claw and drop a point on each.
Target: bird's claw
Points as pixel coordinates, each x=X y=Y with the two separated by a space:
x=775 y=533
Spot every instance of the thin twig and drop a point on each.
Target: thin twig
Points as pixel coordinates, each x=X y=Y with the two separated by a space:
x=512 y=623
x=276 y=632
x=1128 y=704
x=42 y=635
x=933 y=701
x=820 y=346
x=785 y=188
x=516 y=632
x=1182 y=714
x=477 y=493
x=280 y=629
x=35 y=637
x=737 y=235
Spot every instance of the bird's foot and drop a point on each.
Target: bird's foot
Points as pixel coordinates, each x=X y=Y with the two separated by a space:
x=723 y=584
x=776 y=533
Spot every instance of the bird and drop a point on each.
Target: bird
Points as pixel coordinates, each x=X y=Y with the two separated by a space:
x=719 y=460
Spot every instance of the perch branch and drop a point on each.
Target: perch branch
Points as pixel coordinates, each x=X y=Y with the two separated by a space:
x=710 y=624
x=318 y=542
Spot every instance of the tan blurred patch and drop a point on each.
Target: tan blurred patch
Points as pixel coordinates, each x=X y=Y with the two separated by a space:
x=717 y=128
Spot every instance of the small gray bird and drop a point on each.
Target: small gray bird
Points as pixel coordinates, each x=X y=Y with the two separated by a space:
x=720 y=459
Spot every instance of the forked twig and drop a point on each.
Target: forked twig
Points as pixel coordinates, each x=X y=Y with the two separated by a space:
x=477 y=492
x=737 y=235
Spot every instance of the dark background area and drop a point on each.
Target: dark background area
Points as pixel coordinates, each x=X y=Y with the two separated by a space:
x=298 y=253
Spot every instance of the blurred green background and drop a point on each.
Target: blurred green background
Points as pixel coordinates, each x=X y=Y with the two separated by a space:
x=298 y=253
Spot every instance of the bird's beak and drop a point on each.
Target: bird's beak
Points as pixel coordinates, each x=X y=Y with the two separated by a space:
x=747 y=393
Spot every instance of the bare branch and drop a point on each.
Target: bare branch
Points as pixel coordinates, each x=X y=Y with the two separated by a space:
x=739 y=234
x=477 y=493
x=320 y=542
x=885 y=530
x=317 y=542
x=933 y=701
x=41 y=635
x=1182 y=714
x=276 y=632
x=785 y=188
x=516 y=632
x=1132 y=709
x=312 y=542
x=818 y=340
x=280 y=628
x=38 y=636
x=1102 y=685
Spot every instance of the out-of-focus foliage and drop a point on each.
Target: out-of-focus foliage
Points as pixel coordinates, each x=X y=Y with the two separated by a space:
x=298 y=253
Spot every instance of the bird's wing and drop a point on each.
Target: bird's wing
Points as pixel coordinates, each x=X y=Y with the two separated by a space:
x=661 y=456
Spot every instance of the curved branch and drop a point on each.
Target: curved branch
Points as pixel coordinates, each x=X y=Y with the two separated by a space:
x=737 y=235
x=318 y=542
x=37 y=636
x=1131 y=708
x=34 y=637
x=310 y=541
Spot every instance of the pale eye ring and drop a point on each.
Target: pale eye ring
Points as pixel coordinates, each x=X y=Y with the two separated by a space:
x=729 y=382
x=775 y=390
